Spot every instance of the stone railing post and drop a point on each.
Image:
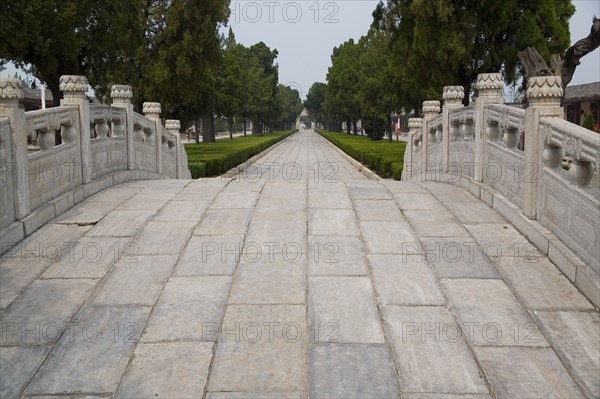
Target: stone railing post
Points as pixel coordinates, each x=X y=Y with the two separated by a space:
x=489 y=87
x=173 y=126
x=453 y=99
x=74 y=88
x=414 y=124
x=121 y=98
x=152 y=112
x=430 y=110
x=544 y=94
x=10 y=94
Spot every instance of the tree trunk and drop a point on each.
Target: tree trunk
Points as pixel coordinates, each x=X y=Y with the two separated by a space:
x=52 y=84
x=256 y=127
x=245 y=120
x=197 y=129
x=231 y=127
x=347 y=127
x=391 y=127
x=354 y=127
x=208 y=131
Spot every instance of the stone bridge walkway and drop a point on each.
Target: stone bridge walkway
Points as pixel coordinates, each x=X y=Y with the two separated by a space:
x=298 y=278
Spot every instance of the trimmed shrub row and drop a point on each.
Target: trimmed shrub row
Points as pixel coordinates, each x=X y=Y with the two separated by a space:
x=382 y=157
x=214 y=159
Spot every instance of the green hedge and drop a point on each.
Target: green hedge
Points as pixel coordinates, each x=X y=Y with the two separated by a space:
x=213 y=159
x=382 y=157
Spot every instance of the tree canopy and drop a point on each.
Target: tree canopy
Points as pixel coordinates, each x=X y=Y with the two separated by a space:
x=442 y=43
x=416 y=47
x=98 y=39
x=170 y=51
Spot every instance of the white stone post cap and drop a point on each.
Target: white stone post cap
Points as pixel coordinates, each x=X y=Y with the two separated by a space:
x=73 y=84
x=544 y=90
x=431 y=107
x=10 y=89
x=453 y=93
x=173 y=124
x=489 y=81
x=415 y=123
x=149 y=108
x=121 y=93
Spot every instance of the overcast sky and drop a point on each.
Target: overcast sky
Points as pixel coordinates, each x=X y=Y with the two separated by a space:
x=305 y=32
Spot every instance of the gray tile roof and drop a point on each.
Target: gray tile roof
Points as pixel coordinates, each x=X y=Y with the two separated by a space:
x=584 y=92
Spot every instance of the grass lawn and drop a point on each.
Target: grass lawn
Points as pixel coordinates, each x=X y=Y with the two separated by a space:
x=382 y=157
x=213 y=159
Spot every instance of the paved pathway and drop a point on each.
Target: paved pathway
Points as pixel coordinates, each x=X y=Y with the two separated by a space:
x=141 y=291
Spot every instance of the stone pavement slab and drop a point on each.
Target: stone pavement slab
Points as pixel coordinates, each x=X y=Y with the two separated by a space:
x=148 y=200
x=430 y=353
x=38 y=316
x=174 y=369
x=351 y=371
x=235 y=199
x=91 y=257
x=390 y=237
x=135 y=282
x=121 y=223
x=368 y=190
x=210 y=255
x=575 y=337
x=382 y=210
x=424 y=200
x=444 y=396
x=385 y=289
x=16 y=273
x=224 y=222
x=347 y=305
x=539 y=373
x=256 y=395
x=189 y=308
x=435 y=223
x=329 y=199
x=336 y=256
x=94 y=357
x=502 y=240
x=265 y=282
x=277 y=235
x=458 y=257
x=540 y=285
x=489 y=313
x=163 y=238
x=325 y=222
x=404 y=280
x=181 y=211
x=87 y=212
x=17 y=365
x=263 y=348
x=474 y=212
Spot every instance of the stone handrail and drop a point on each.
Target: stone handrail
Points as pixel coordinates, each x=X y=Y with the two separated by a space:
x=504 y=123
x=576 y=141
x=108 y=121
x=81 y=148
x=478 y=149
x=42 y=124
x=462 y=124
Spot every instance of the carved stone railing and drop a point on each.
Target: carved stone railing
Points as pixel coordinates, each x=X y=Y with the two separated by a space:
x=514 y=160
x=52 y=159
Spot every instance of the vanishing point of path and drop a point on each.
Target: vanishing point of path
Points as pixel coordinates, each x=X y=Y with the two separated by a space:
x=298 y=278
